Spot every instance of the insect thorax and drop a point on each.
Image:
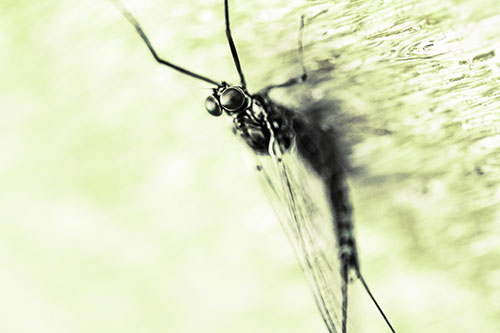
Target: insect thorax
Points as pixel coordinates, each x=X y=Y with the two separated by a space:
x=264 y=123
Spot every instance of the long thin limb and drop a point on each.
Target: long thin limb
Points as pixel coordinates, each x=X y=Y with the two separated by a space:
x=132 y=20
x=301 y=50
x=236 y=59
x=303 y=77
x=375 y=302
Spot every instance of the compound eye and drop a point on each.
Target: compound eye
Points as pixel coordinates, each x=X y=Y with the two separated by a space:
x=232 y=99
x=212 y=106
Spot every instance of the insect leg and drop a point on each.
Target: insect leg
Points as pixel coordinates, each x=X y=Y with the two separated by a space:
x=300 y=51
x=132 y=20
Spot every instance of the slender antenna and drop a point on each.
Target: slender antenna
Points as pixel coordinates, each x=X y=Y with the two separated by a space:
x=232 y=46
x=132 y=20
x=374 y=301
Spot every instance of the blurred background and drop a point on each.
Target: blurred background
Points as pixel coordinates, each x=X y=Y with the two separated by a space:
x=125 y=207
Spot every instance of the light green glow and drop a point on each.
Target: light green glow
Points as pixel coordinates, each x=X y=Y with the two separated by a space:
x=124 y=207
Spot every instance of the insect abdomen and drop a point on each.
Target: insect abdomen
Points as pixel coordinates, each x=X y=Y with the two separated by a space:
x=319 y=148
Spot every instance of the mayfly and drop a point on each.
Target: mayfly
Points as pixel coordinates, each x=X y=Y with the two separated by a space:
x=326 y=249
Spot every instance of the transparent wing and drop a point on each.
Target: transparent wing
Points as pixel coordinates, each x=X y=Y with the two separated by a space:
x=299 y=199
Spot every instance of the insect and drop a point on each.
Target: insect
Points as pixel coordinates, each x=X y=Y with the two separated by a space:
x=288 y=146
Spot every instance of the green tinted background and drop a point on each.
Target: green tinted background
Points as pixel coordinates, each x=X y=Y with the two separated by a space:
x=124 y=207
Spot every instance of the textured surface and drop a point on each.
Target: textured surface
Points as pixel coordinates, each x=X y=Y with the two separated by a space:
x=125 y=208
